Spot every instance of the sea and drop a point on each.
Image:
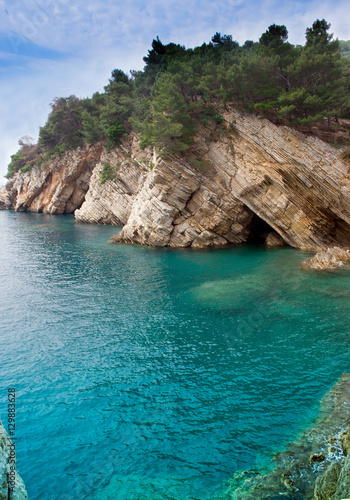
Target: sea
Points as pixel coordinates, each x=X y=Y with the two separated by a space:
x=158 y=373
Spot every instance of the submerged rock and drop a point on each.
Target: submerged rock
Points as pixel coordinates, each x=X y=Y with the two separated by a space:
x=230 y=292
x=345 y=440
x=310 y=468
x=326 y=484
x=9 y=477
x=332 y=258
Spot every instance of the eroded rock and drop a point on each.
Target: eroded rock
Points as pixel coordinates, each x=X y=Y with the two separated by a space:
x=111 y=202
x=299 y=186
x=57 y=188
x=332 y=258
x=274 y=240
x=180 y=208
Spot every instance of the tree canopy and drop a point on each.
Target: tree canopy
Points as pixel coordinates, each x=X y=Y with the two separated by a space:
x=180 y=90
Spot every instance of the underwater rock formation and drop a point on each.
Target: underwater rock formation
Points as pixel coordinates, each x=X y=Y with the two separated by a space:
x=316 y=466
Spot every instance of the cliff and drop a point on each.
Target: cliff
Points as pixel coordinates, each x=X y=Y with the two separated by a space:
x=254 y=181
x=56 y=187
x=8 y=473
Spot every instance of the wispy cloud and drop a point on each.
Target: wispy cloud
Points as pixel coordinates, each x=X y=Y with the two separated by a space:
x=60 y=47
x=16 y=45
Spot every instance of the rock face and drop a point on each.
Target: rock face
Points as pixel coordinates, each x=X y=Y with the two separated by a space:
x=59 y=187
x=255 y=180
x=332 y=258
x=316 y=466
x=298 y=185
x=8 y=476
x=111 y=202
x=5 y=202
x=179 y=208
x=274 y=240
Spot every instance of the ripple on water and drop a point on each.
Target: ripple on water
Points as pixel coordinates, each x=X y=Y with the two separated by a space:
x=158 y=373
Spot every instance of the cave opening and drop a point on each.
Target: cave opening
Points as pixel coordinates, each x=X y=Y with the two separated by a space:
x=259 y=230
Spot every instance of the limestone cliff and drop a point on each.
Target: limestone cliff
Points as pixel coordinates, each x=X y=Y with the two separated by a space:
x=298 y=185
x=5 y=202
x=110 y=202
x=11 y=485
x=56 y=188
x=256 y=179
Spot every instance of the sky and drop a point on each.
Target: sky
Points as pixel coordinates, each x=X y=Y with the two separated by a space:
x=57 y=48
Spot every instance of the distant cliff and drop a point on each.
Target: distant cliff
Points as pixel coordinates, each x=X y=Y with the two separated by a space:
x=255 y=182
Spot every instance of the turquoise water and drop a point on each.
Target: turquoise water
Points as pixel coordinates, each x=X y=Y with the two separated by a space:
x=157 y=373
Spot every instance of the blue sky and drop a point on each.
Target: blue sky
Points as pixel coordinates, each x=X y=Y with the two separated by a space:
x=53 y=48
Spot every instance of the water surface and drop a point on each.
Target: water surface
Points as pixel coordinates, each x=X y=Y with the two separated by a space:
x=148 y=373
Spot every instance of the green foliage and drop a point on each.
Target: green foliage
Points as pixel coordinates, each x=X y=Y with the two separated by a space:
x=93 y=130
x=115 y=132
x=107 y=173
x=24 y=159
x=233 y=129
x=17 y=162
x=64 y=124
x=318 y=34
x=181 y=90
x=274 y=35
x=345 y=48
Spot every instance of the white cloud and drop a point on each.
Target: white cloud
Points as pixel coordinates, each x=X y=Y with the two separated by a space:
x=98 y=36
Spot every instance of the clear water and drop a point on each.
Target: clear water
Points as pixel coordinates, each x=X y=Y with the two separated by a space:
x=157 y=373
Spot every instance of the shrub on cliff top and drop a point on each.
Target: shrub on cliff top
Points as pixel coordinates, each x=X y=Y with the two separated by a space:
x=24 y=159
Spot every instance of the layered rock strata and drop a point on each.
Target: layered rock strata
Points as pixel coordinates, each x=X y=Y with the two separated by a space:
x=110 y=202
x=56 y=188
x=254 y=173
x=5 y=202
x=298 y=185
x=177 y=207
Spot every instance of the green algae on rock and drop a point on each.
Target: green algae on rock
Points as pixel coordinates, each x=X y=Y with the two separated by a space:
x=315 y=467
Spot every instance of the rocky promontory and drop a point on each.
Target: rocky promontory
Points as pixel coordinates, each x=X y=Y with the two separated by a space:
x=255 y=181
